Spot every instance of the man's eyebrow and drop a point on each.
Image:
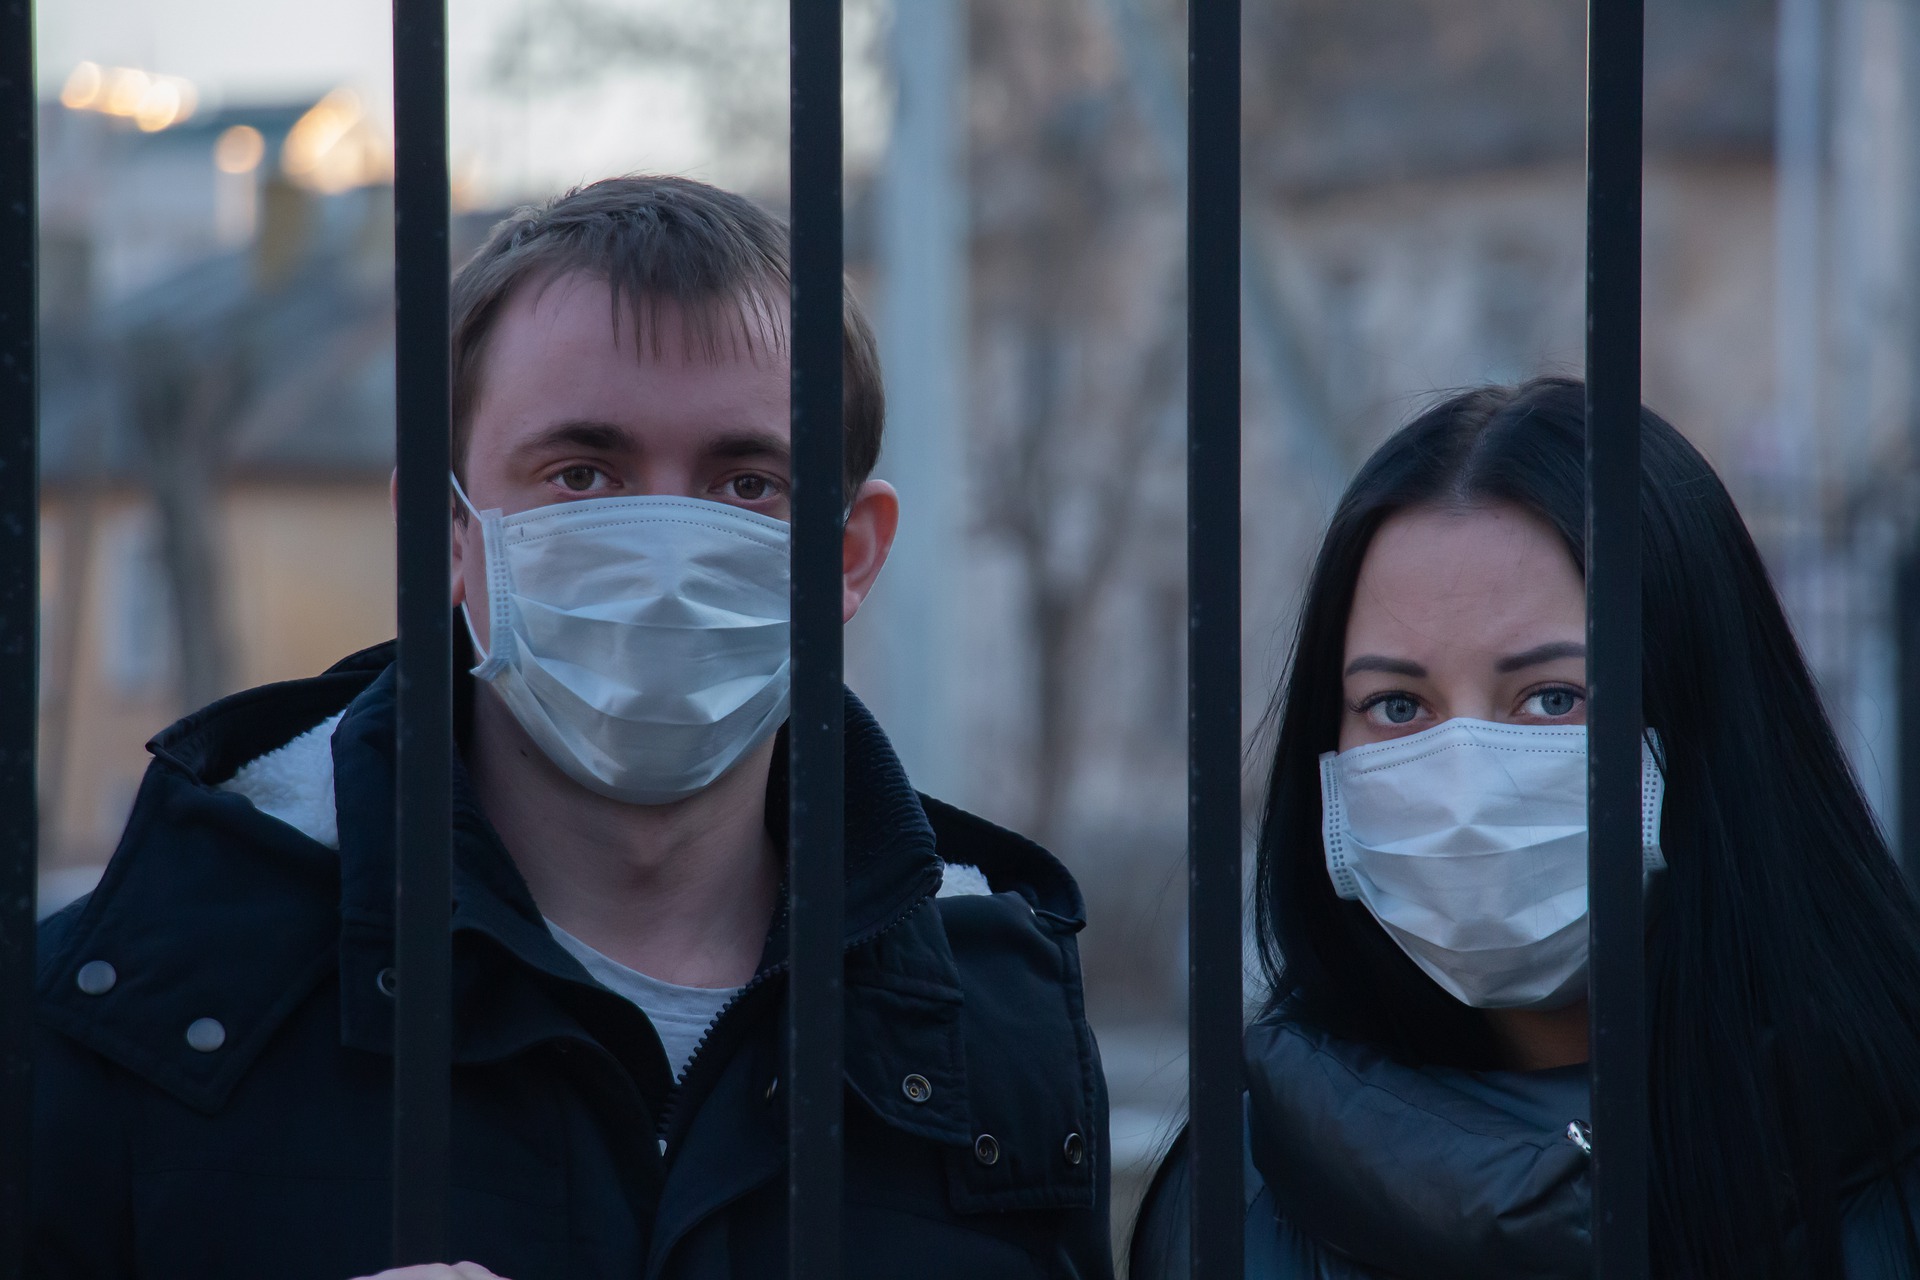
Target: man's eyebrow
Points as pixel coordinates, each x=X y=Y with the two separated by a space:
x=582 y=433
x=750 y=444
x=1392 y=666
x=1541 y=653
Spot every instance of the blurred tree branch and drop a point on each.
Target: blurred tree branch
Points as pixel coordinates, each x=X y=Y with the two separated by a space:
x=733 y=53
x=1079 y=334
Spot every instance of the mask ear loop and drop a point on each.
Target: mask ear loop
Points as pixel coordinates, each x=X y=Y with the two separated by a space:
x=1653 y=792
x=491 y=664
x=1333 y=830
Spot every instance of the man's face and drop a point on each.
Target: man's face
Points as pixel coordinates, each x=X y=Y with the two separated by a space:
x=570 y=408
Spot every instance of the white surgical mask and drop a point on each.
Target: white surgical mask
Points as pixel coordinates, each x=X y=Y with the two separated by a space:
x=641 y=642
x=1468 y=843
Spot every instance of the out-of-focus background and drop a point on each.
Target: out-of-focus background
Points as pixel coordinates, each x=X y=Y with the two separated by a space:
x=217 y=231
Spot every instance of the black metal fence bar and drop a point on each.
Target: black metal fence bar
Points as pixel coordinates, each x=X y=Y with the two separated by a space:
x=815 y=859
x=422 y=1031
x=1615 y=51
x=19 y=616
x=1906 y=630
x=1214 y=958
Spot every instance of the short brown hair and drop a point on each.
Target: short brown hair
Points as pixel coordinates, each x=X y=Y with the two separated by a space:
x=718 y=257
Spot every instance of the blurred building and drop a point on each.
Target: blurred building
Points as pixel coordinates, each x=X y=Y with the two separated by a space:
x=216 y=422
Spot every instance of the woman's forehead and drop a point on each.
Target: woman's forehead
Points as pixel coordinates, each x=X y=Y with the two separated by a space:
x=1464 y=580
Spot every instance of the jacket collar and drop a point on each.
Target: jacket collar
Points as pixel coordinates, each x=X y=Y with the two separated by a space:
x=1424 y=1171
x=258 y=913
x=890 y=860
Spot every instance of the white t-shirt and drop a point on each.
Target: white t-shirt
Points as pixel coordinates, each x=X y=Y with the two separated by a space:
x=681 y=1015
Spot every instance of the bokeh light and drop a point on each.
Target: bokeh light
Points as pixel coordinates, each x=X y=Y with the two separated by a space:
x=239 y=149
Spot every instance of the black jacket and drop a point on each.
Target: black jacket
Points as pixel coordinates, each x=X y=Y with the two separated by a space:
x=1359 y=1167
x=575 y=1156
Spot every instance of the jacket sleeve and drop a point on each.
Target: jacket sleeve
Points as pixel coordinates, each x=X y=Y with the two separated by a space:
x=81 y=1224
x=1880 y=1232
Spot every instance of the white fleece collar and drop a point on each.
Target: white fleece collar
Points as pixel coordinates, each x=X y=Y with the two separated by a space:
x=294 y=783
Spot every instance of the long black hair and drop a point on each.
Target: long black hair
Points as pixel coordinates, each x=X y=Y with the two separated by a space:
x=1783 y=947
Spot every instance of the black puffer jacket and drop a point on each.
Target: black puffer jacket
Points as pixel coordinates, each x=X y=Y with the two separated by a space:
x=263 y=1152
x=1359 y=1167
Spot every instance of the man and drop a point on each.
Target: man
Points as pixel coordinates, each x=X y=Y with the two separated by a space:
x=213 y=1083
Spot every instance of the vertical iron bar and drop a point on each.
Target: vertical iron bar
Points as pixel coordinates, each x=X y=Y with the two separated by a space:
x=422 y=1023
x=815 y=858
x=19 y=617
x=1615 y=53
x=1214 y=958
x=1906 y=630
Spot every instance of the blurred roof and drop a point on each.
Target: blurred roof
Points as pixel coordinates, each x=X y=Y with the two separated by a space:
x=315 y=335
x=1350 y=92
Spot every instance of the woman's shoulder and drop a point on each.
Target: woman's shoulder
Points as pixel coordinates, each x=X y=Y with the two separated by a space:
x=1162 y=1229
x=1275 y=1248
x=1880 y=1223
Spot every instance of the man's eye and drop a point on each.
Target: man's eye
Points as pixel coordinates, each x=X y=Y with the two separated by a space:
x=579 y=479
x=1554 y=703
x=750 y=488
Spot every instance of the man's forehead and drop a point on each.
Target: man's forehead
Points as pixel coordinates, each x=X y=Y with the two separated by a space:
x=748 y=323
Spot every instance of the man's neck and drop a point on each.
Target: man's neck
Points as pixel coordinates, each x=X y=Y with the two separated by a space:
x=682 y=892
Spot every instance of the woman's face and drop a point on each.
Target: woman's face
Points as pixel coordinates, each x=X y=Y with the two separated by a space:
x=1476 y=612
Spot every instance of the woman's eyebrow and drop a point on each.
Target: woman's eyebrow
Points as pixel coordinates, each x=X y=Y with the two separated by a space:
x=1541 y=653
x=1392 y=666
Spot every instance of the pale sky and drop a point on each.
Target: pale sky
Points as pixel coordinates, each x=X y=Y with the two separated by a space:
x=512 y=145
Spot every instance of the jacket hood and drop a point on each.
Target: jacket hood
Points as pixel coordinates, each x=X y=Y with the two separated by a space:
x=1434 y=1172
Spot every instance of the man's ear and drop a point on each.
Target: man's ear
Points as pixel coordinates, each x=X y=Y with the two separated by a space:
x=457 y=528
x=872 y=520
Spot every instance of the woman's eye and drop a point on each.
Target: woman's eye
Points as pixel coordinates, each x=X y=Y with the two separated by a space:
x=1396 y=708
x=578 y=479
x=1552 y=704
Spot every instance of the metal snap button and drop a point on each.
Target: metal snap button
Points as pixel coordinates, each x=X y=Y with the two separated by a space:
x=916 y=1088
x=986 y=1149
x=1074 y=1148
x=387 y=980
x=96 y=977
x=206 y=1035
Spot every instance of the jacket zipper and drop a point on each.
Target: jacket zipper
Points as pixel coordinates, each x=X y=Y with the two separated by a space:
x=673 y=1109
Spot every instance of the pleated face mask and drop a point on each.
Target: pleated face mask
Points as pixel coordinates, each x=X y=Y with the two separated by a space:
x=641 y=642
x=1468 y=843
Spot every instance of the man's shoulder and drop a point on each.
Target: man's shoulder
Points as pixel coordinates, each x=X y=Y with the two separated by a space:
x=1007 y=863
x=1017 y=1062
x=1012 y=931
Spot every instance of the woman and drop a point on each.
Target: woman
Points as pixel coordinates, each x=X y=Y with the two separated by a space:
x=1417 y=1087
